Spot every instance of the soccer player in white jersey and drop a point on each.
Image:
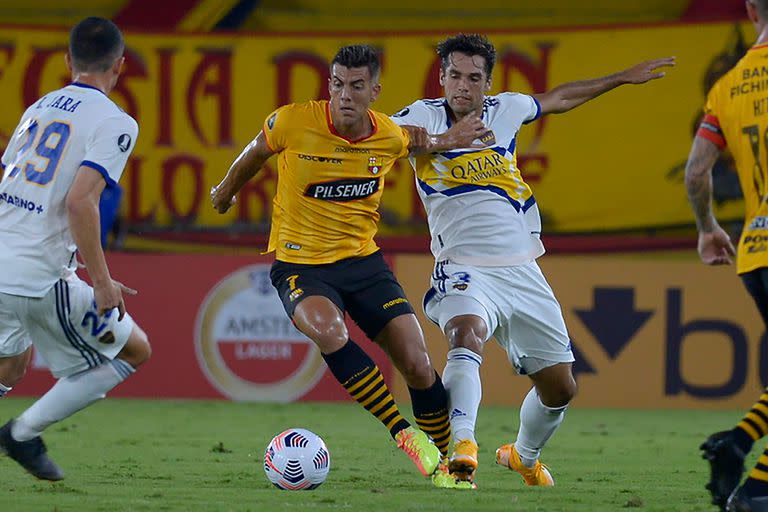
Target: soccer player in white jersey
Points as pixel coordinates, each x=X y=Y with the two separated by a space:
x=68 y=146
x=485 y=229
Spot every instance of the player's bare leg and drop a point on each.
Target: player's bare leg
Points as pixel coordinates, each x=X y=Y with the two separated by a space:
x=12 y=369
x=403 y=340
x=323 y=322
x=541 y=414
x=466 y=336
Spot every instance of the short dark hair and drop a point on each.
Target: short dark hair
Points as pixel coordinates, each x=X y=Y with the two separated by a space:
x=469 y=44
x=95 y=44
x=358 y=56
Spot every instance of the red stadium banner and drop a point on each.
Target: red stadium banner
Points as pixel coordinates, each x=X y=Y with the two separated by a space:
x=217 y=330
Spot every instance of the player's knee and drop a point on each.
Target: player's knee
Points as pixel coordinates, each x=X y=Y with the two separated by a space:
x=559 y=393
x=568 y=390
x=465 y=335
x=12 y=369
x=329 y=337
x=137 y=349
x=417 y=370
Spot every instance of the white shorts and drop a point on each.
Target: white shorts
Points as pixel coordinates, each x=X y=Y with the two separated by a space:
x=65 y=327
x=517 y=304
x=13 y=338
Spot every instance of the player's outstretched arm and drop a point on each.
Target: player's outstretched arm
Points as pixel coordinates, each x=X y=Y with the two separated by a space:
x=572 y=94
x=715 y=247
x=461 y=134
x=245 y=167
x=82 y=205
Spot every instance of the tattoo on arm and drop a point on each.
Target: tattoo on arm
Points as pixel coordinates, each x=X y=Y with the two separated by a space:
x=698 y=182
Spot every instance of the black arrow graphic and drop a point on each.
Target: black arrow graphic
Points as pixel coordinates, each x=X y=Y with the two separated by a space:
x=613 y=320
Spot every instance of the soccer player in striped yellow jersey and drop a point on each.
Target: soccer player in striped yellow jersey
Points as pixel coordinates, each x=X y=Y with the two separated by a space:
x=333 y=157
x=736 y=117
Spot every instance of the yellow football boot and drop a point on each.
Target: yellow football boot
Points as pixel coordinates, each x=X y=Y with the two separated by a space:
x=537 y=475
x=463 y=462
x=443 y=479
x=420 y=449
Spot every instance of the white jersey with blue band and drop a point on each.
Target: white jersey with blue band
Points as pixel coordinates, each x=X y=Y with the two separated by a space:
x=75 y=126
x=479 y=209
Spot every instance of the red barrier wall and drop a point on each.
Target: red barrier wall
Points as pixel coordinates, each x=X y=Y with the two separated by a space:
x=261 y=362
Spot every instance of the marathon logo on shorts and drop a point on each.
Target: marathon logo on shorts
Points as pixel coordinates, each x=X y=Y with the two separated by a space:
x=343 y=190
x=394 y=302
x=20 y=202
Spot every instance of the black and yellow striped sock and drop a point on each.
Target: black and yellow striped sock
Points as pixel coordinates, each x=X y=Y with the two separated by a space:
x=360 y=376
x=756 y=483
x=430 y=408
x=754 y=425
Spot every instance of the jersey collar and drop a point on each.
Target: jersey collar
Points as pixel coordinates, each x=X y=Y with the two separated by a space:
x=86 y=86
x=329 y=120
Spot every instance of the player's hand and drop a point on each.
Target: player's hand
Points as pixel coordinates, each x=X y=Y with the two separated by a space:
x=646 y=71
x=464 y=133
x=420 y=139
x=715 y=247
x=110 y=296
x=220 y=200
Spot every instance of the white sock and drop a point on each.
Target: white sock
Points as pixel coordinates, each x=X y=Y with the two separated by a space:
x=68 y=396
x=537 y=424
x=461 y=379
x=4 y=389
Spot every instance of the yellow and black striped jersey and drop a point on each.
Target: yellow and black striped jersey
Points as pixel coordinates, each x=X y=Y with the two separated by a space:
x=736 y=116
x=329 y=188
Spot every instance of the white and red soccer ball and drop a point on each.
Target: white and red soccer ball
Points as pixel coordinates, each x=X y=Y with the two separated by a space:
x=297 y=459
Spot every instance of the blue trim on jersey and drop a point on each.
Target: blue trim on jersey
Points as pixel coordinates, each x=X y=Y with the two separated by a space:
x=426 y=188
x=538 y=111
x=463 y=189
x=2 y=165
x=86 y=86
x=101 y=170
x=512 y=145
x=453 y=154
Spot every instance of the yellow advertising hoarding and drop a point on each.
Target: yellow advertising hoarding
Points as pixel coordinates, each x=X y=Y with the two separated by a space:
x=612 y=164
x=646 y=334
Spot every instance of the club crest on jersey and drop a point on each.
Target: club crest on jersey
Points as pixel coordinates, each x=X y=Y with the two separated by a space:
x=375 y=164
x=488 y=138
x=460 y=281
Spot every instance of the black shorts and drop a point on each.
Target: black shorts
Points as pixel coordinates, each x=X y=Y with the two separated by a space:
x=756 y=282
x=364 y=287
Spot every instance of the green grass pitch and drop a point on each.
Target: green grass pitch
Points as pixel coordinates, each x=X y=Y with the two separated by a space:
x=136 y=455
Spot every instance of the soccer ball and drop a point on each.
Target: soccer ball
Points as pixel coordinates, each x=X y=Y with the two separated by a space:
x=297 y=459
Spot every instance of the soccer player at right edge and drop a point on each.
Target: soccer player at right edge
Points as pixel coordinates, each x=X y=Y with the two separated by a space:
x=736 y=117
x=485 y=230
